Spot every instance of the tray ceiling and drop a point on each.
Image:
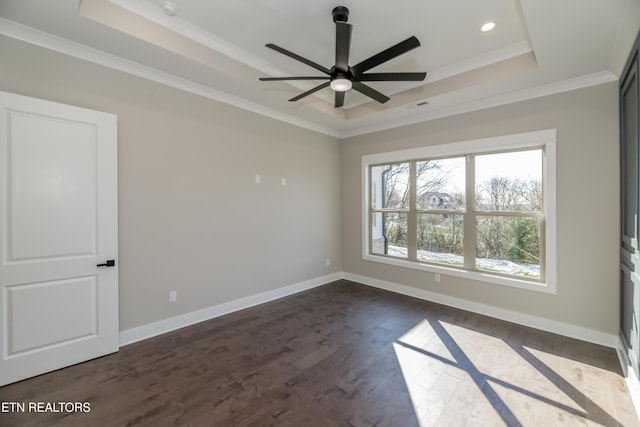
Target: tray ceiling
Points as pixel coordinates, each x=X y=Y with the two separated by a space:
x=217 y=49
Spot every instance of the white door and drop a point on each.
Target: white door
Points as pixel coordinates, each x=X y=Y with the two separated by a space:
x=58 y=218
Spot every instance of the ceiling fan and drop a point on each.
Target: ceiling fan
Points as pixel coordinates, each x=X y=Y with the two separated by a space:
x=341 y=77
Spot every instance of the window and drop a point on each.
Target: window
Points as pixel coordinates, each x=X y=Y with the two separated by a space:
x=482 y=209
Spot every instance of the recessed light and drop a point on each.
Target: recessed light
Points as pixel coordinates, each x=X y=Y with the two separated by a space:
x=488 y=26
x=169 y=8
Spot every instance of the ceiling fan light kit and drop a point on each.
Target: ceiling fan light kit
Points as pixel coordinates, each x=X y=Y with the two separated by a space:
x=341 y=84
x=342 y=77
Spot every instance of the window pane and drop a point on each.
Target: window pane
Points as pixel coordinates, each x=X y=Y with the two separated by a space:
x=508 y=245
x=440 y=184
x=390 y=186
x=509 y=181
x=440 y=239
x=389 y=234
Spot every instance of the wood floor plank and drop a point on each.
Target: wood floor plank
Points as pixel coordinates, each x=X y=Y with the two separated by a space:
x=342 y=354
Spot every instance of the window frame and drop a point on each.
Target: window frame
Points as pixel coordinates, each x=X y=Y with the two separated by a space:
x=544 y=139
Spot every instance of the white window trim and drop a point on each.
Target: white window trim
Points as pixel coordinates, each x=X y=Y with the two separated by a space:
x=542 y=138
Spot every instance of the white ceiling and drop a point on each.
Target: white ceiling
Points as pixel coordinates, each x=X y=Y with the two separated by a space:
x=216 y=48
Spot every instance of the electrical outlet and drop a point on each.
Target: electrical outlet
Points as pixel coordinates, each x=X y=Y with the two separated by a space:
x=328 y=262
x=258 y=179
x=437 y=277
x=173 y=296
x=283 y=181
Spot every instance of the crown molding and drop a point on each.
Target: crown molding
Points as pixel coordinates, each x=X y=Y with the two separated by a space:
x=39 y=38
x=496 y=56
x=192 y=32
x=495 y=101
x=67 y=47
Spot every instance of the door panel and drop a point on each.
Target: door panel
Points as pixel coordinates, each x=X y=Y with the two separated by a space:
x=68 y=304
x=629 y=313
x=58 y=212
x=51 y=207
x=629 y=164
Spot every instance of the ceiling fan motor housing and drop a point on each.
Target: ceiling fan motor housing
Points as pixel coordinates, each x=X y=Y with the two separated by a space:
x=340 y=14
x=340 y=74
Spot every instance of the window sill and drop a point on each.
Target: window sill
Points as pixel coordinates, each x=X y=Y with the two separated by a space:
x=513 y=282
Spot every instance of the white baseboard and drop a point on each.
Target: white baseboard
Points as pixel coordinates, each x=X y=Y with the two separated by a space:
x=565 y=329
x=139 y=333
x=160 y=327
x=633 y=383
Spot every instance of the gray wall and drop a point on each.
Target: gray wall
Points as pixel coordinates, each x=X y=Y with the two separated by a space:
x=587 y=213
x=193 y=220
x=191 y=217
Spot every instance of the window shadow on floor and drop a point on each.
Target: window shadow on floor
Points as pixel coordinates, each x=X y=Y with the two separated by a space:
x=579 y=405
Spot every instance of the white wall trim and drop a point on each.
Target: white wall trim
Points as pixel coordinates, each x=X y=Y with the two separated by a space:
x=150 y=330
x=143 y=332
x=76 y=50
x=155 y=14
x=561 y=328
x=490 y=102
x=534 y=139
x=67 y=47
x=489 y=58
x=633 y=383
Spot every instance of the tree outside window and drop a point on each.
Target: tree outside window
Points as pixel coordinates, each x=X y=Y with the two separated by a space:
x=420 y=210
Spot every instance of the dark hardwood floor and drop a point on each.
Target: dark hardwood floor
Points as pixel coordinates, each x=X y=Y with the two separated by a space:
x=340 y=355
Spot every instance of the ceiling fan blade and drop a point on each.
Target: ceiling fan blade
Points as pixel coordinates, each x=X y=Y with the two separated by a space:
x=343 y=44
x=298 y=58
x=339 y=99
x=391 y=77
x=275 y=79
x=309 y=92
x=370 y=92
x=387 y=54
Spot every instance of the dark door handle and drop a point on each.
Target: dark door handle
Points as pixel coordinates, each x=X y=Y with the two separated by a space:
x=109 y=263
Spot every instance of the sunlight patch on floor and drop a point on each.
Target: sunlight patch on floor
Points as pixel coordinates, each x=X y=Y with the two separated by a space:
x=460 y=375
